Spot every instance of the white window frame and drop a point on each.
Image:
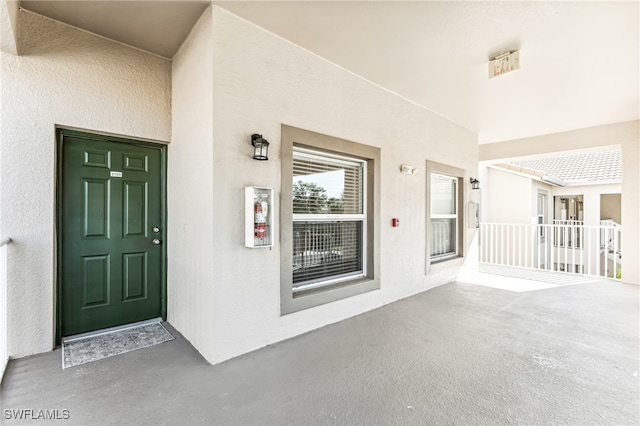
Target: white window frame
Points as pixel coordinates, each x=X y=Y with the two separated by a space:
x=456 y=216
x=541 y=215
x=440 y=263
x=300 y=152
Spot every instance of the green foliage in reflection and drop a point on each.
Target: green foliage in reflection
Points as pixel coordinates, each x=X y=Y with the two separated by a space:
x=309 y=197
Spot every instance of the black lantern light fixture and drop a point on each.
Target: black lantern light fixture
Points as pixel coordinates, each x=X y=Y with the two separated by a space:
x=260 y=147
x=475 y=183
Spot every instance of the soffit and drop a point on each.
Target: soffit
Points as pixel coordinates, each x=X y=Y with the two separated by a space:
x=158 y=27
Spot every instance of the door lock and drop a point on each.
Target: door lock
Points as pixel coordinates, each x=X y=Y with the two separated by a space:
x=156 y=229
x=156 y=241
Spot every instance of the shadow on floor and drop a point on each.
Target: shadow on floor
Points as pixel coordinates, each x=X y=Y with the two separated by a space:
x=459 y=353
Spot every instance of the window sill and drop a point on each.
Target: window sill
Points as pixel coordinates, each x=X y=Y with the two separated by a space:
x=312 y=297
x=439 y=265
x=329 y=286
x=443 y=259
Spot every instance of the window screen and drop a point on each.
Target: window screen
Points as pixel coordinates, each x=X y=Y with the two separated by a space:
x=328 y=218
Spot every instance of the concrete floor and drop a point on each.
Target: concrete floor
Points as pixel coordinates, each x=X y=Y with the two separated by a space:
x=457 y=354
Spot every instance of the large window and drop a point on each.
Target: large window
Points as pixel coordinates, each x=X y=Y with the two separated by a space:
x=444 y=216
x=328 y=219
x=329 y=200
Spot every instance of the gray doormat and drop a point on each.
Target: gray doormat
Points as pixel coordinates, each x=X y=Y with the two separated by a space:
x=99 y=346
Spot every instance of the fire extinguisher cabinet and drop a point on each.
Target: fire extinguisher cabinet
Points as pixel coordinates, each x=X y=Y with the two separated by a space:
x=259 y=212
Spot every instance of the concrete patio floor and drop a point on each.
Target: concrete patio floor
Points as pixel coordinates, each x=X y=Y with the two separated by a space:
x=457 y=354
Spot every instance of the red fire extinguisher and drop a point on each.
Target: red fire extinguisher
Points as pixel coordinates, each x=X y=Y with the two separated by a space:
x=260 y=223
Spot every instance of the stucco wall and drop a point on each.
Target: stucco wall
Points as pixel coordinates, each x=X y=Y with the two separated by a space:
x=610 y=207
x=191 y=229
x=70 y=78
x=511 y=199
x=627 y=136
x=514 y=198
x=259 y=82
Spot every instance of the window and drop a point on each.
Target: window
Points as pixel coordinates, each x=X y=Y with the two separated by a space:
x=329 y=199
x=542 y=206
x=328 y=219
x=445 y=222
x=444 y=216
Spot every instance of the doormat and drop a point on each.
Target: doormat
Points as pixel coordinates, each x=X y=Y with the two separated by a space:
x=100 y=346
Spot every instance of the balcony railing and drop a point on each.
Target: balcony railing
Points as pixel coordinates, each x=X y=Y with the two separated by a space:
x=4 y=353
x=561 y=247
x=568 y=222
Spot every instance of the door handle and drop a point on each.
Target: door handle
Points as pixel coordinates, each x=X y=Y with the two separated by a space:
x=156 y=241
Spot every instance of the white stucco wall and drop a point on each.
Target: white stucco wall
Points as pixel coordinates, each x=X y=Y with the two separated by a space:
x=70 y=78
x=259 y=82
x=627 y=136
x=511 y=199
x=514 y=198
x=191 y=230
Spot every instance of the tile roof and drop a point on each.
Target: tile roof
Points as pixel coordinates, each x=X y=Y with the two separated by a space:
x=579 y=169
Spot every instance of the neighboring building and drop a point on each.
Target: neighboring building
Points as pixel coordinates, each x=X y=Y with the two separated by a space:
x=571 y=196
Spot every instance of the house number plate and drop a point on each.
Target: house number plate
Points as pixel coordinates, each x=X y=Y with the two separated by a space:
x=116 y=174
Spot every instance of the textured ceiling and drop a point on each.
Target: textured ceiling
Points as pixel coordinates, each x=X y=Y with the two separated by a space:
x=579 y=60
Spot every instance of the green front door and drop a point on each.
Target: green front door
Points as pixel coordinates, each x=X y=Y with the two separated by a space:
x=111 y=229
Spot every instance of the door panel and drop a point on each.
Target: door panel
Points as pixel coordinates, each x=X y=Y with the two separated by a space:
x=95 y=213
x=134 y=210
x=95 y=281
x=111 y=199
x=134 y=278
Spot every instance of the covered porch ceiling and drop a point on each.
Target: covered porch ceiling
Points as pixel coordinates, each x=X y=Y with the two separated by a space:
x=579 y=60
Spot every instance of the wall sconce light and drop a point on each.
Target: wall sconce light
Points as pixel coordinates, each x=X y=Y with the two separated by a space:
x=260 y=147
x=475 y=183
x=407 y=169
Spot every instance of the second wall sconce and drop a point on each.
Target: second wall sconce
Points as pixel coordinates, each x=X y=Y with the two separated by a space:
x=407 y=169
x=475 y=183
x=260 y=147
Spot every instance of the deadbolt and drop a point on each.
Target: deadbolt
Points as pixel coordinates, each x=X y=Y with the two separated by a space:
x=156 y=241
x=156 y=229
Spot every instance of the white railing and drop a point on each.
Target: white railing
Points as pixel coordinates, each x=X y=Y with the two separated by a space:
x=610 y=236
x=571 y=248
x=4 y=353
x=568 y=222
